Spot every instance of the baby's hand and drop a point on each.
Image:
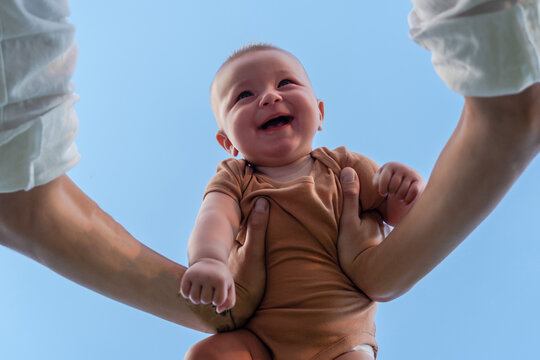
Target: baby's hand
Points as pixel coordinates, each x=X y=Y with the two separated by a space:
x=399 y=181
x=209 y=281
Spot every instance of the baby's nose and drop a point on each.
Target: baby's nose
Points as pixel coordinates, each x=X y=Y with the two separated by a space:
x=270 y=97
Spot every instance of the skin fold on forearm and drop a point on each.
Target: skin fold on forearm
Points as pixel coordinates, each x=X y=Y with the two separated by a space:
x=493 y=143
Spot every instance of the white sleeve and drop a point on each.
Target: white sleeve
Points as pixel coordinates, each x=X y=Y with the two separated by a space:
x=38 y=124
x=480 y=47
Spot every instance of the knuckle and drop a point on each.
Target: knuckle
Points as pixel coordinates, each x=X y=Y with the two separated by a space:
x=350 y=189
x=255 y=219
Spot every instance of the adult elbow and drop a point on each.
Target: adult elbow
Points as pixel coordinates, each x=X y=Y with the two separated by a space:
x=8 y=217
x=15 y=223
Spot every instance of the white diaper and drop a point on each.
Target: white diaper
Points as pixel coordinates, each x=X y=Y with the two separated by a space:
x=480 y=47
x=366 y=349
x=37 y=121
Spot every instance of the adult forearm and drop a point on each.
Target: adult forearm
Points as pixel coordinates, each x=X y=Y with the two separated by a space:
x=60 y=227
x=493 y=143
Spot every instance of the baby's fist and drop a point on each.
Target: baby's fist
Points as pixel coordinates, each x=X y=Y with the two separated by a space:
x=209 y=281
x=399 y=181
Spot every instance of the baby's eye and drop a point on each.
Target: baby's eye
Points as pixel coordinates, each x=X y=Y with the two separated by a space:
x=284 y=82
x=243 y=94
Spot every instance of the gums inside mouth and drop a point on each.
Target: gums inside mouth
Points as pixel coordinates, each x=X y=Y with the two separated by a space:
x=276 y=122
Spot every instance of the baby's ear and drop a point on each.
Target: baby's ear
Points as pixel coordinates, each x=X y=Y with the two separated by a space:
x=225 y=143
x=320 y=105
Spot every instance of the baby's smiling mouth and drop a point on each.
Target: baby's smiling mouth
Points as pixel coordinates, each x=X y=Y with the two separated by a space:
x=276 y=122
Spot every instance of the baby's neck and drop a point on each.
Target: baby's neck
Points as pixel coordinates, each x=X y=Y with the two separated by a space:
x=288 y=172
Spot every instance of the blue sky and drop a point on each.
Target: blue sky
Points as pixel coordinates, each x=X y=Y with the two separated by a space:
x=147 y=140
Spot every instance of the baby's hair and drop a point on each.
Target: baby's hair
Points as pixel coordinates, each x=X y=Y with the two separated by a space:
x=245 y=50
x=251 y=47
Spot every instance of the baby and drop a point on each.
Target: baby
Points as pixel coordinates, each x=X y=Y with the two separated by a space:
x=267 y=110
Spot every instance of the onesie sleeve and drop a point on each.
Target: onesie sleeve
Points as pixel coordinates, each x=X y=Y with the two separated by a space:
x=340 y=158
x=228 y=179
x=370 y=198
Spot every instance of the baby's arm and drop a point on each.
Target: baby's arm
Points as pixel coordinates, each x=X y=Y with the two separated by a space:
x=208 y=279
x=402 y=186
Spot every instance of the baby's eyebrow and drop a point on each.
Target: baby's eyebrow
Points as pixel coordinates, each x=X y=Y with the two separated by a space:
x=228 y=96
x=239 y=84
x=229 y=86
x=232 y=90
x=286 y=72
x=236 y=87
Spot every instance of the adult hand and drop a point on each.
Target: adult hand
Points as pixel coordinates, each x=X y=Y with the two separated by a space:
x=58 y=225
x=247 y=264
x=248 y=268
x=357 y=233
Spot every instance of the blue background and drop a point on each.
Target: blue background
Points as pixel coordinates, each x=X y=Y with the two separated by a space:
x=147 y=140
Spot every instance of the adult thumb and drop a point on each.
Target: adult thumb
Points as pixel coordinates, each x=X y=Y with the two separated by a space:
x=350 y=186
x=254 y=244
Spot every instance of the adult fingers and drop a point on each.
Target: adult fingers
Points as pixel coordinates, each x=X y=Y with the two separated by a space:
x=254 y=244
x=247 y=265
x=351 y=190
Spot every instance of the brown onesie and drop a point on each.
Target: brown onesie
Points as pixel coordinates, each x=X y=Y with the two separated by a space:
x=310 y=309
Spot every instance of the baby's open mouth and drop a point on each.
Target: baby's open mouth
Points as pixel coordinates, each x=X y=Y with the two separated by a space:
x=276 y=122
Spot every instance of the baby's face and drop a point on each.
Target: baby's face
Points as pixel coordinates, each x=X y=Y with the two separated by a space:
x=266 y=108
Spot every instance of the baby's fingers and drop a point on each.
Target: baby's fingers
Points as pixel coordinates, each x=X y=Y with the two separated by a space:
x=195 y=293
x=229 y=300
x=412 y=193
x=185 y=287
x=403 y=189
x=191 y=289
x=395 y=183
x=381 y=180
x=220 y=295
x=207 y=294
